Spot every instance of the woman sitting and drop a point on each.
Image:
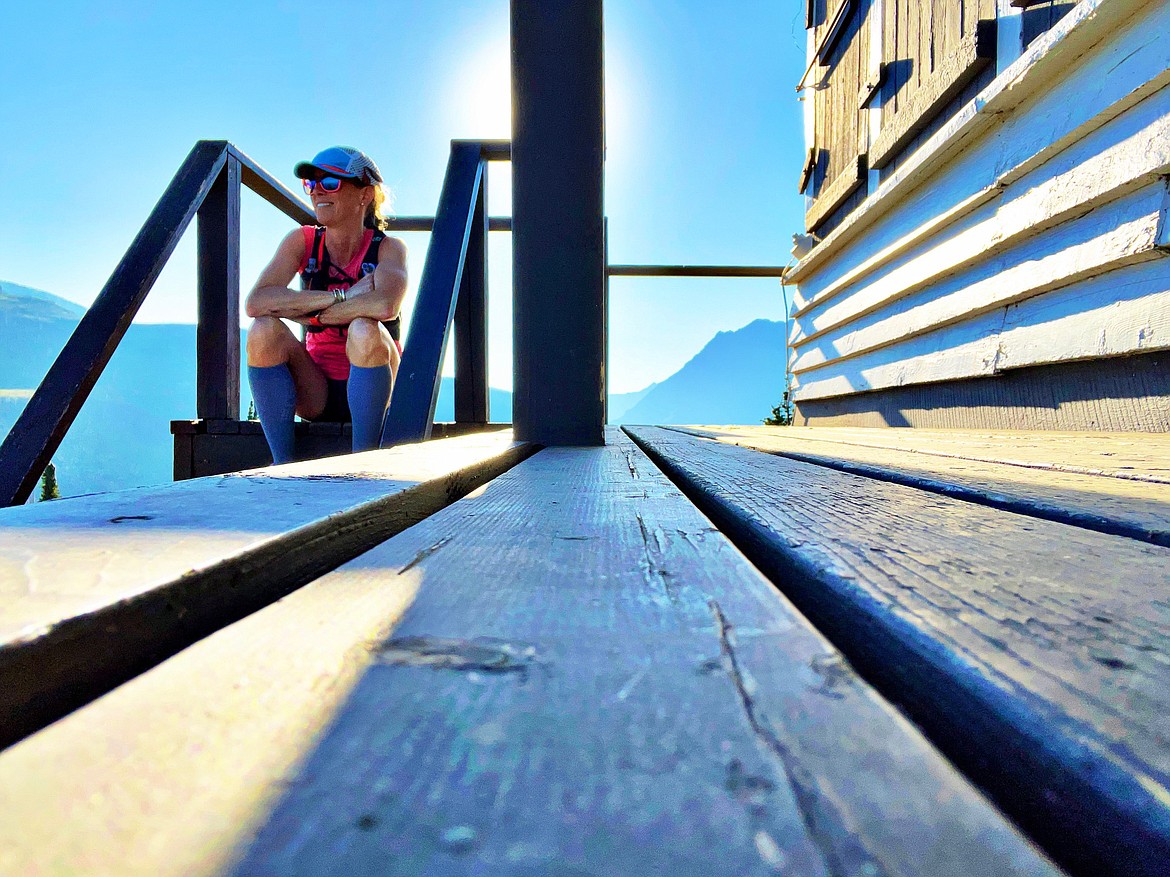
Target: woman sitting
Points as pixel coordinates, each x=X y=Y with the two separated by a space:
x=353 y=278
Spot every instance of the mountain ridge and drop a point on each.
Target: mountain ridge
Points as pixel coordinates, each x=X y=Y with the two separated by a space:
x=121 y=437
x=725 y=382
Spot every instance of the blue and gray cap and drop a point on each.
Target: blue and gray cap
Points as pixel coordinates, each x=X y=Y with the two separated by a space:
x=341 y=161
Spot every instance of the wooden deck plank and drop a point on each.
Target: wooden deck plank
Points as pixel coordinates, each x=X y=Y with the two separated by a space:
x=1140 y=456
x=1042 y=487
x=1033 y=652
x=569 y=672
x=95 y=589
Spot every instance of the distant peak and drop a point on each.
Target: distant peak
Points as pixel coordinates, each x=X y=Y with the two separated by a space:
x=57 y=306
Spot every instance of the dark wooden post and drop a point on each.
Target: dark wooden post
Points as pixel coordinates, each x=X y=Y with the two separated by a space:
x=218 y=336
x=558 y=238
x=412 y=404
x=471 y=340
x=605 y=323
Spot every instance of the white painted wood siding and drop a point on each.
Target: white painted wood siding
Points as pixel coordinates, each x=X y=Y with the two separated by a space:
x=1032 y=229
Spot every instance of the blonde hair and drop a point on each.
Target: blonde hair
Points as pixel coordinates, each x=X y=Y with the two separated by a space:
x=374 y=217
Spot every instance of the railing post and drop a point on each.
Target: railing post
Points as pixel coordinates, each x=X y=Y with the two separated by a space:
x=218 y=346
x=558 y=276
x=412 y=404
x=37 y=433
x=471 y=339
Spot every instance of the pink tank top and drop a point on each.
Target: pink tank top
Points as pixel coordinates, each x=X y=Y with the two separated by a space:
x=327 y=347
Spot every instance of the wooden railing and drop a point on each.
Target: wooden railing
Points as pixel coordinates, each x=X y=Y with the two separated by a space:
x=207 y=185
x=453 y=288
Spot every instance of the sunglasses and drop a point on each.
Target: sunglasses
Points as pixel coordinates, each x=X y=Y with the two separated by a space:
x=327 y=184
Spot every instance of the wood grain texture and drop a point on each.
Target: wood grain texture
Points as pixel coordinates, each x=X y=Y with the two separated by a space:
x=97 y=588
x=994 y=134
x=1034 y=653
x=587 y=679
x=1123 y=393
x=839 y=134
x=1116 y=483
x=1118 y=315
x=1131 y=154
x=1126 y=456
x=935 y=87
x=836 y=192
x=1074 y=255
x=1125 y=180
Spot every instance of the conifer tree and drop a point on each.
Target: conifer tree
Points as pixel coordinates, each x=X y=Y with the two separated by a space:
x=252 y=415
x=49 y=488
x=784 y=413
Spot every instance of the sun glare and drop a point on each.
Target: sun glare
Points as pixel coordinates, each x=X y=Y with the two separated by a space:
x=481 y=98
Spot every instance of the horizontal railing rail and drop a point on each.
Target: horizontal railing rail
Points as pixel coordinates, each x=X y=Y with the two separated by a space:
x=427 y=223
x=695 y=271
x=776 y=272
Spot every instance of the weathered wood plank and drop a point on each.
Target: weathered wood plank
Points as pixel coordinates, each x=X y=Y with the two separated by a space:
x=1118 y=315
x=950 y=32
x=1124 y=313
x=959 y=350
x=1056 y=73
x=1143 y=457
x=1034 y=653
x=1063 y=479
x=1096 y=176
x=1120 y=393
x=1113 y=236
x=934 y=91
x=839 y=134
x=925 y=54
x=96 y=589
x=909 y=24
x=837 y=192
x=464 y=699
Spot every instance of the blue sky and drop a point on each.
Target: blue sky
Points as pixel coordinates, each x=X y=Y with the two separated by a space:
x=103 y=101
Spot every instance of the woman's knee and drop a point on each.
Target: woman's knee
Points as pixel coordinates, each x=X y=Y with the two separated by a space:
x=268 y=340
x=366 y=343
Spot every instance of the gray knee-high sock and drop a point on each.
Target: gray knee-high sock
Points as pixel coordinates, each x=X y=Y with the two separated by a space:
x=368 y=392
x=276 y=404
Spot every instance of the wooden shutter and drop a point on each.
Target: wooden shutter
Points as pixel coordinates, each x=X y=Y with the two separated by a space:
x=836 y=75
x=932 y=50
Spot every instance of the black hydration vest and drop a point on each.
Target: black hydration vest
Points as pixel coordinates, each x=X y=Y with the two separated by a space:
x=320 y=272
